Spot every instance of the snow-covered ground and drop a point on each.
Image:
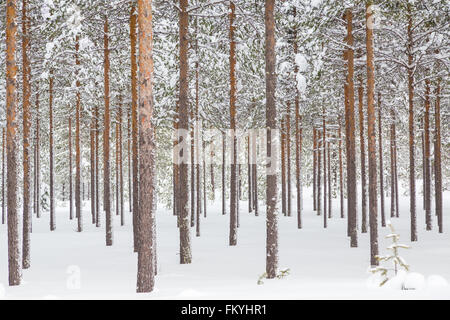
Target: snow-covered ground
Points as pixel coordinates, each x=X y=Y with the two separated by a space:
x=71 y=265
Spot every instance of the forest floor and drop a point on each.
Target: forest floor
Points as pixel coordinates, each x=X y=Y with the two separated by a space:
x=322 y=264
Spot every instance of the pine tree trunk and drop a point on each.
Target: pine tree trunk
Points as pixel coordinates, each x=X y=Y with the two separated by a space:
x=14 y=266
x=298 y=144
x=319 y=173
x=341 y=178
x=288 y=159
x=362 y=144
x=78 y=203
x=324 y=147
x=249 y=182
x=70 y=171
x=192 y=171
x=97 y=175
x=147 y=245
x=134 y=123
x=185 y=242
x=391 y=154
x=412 y=166
x=26 y=118
x=427 y=157
x=283 y=166
x=380 y=151
x=373 y=207
x=106 y=133
x=437 y=157
x=330 y=214
x=52 y=201
x=350 y=135
x=271 y=112
x=3 y=176
x=129 y=169
x=92 y=163
x=314 y=168
x=224 y=211
x=198 y=211
x=37 y=156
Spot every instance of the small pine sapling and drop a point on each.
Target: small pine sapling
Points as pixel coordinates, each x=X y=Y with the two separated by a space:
x=280 y=275
x=393 y=257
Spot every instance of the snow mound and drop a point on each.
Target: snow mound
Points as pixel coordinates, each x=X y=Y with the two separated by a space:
x=433 y=281
x=397 y=282
x=414 y=281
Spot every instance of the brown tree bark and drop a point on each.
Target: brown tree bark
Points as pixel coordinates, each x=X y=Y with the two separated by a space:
x=92 y=167
x=271 y=112
x=341 y=178
x=185 y=242
x=283 y=165
x=26 y=118
x=198 y=207
x=298 y=140
x=319 y=173
x=324 y=147
x=427 y=156
x=373 y=207
x=362 y=144
x=380 y=152
x=412 y=165
x=78 y=203
x=288 y=160
x=14 y=266
x=106 y=133
x=350 y=134
x=129 y=168
x=147 y=245
x=392 y=163
x=249 y=172
x=314 y=168
x=52 y=200
x=70 y=171
x=134 y=123
x=192 y=171
x=37 y=160
x=437 y=157
x=3 y=176
x=255 y=176
x=330 y=213
x=224 y=211
x=97 y=175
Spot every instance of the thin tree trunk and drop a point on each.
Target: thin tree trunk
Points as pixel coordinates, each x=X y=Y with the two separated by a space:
x=324 y=147
x=412 y=166
x=134 y=123
x=92 y=156
x=314 y=168
x=288 y=159
x=197 y=140
x=37 y=166
x=224 y=211
x=26 y=93
x=319 y=173
x=437 y=157
x=255 y=175
x=78 y=203
x=52 y=201
x=283 y=165
x=3 y=176
x=341 y=178
x=427 y=156
x=70 y=171
x=298 y=145
x=122 y=217
x=271 y=191
x=371 y=139
x=147 y=245
x=330 y=214
x=185 y=242
x=192 y=171
x=97 y=178
x=106 y=133
x=350 y=135
x=380 y=151
x=129 y=169
x=362 y=144
x=249 y=171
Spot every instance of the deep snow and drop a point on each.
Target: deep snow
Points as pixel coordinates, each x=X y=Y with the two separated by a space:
x=70 y=265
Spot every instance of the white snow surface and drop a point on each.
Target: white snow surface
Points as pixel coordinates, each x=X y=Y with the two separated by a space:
x=66 y=264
